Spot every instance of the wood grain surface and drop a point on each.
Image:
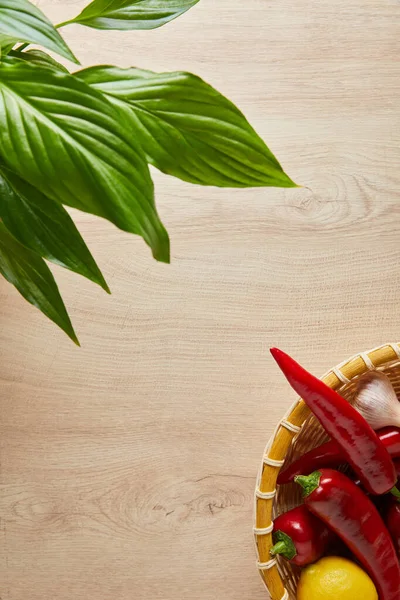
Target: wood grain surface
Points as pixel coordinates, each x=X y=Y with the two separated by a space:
x=128 y=466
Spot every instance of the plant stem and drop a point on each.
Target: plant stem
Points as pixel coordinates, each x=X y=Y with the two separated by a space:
x=284 y=545
x=62 y=24
x=279 y=548
x=309 y=483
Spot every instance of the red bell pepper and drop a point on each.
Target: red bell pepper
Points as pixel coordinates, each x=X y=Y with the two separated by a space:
x=361 y=447
x=336 y=500
x=331 y=455
x=300 y=537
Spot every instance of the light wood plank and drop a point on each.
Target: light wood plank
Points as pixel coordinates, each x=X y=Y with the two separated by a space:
x=128 y=466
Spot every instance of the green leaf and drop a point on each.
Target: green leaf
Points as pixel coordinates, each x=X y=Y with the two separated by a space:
x=132 y=14
x=6 y=43
x=40 y=58
x=21 y=21
x=45 y=227
x=33 y=279
x=188 y=129
x=68 y=141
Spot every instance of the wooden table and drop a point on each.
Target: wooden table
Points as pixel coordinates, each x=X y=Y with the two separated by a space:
x=128 y=466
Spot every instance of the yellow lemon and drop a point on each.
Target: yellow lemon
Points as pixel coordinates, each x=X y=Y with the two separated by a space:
x=332 y=578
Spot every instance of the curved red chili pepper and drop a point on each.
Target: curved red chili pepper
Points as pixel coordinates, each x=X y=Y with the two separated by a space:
x=392 y=519
x=300 y=537
x=336 y=500
x=331 y=455
x=360 y=445
x=392 y=513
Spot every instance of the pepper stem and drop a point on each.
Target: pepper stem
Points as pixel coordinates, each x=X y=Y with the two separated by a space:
x=395 y=492
x=284 y=545
x=309 y=483
x=279 y=548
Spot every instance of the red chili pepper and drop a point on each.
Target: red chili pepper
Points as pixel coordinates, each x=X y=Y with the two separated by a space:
x=392 y=513
x=300 y=537
x=392 y=519
x=331 y=455
x=336 y=500
x=361 y=446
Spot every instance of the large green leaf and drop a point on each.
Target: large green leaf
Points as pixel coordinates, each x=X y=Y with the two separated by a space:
x=6 y=43
x=188 y=129
x=33 y=279
x=44 y=226
x=132 y=14
x=39 y=58
x=21 y=21
x=67 y=140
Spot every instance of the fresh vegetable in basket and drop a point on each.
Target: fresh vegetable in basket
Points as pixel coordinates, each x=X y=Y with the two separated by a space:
x=392 y=519
x=361 y=446
x=376 y=400
x=331 y=454
x=335 y=578
x=336 y=500
x=300 y=537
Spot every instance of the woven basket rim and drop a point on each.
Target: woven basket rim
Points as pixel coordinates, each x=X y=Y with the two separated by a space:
x=279 y=444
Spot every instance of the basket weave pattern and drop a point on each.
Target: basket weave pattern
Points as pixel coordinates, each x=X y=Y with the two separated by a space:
x=297 y=433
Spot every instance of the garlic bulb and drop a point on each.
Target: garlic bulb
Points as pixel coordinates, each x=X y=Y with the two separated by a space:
x=376 y=400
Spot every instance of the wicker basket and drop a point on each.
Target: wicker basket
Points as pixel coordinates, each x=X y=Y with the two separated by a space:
x=295 y=434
